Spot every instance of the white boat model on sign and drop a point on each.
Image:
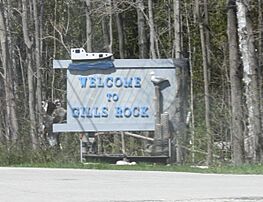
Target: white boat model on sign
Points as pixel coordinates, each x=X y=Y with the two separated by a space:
x=79 y=54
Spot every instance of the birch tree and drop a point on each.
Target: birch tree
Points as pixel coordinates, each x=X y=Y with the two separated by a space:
x=260 y=53
x=250 y=68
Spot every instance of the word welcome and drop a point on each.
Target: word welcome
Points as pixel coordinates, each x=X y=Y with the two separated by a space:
x=109 y=82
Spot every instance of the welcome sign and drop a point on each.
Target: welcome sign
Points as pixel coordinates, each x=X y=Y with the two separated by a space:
x=120 y=101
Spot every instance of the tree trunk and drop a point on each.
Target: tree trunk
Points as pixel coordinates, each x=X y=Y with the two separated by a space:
x=10 y=118
x=260 y=40
x=250 y=65
x=180 y=132
x=202 y=20
x=110 y=25
x=4 y=59
x=120 y=36
x=119 y=24
x=260 y=57
x=88 y=26
x=54 y=47
x=30 y=74
x=177 y=29
x=141 y=30
x=207 y=34
x=105 y=32
x=107 y=27
x=192 y=122
x=170 y=27
x=38 y=67
x=236 y=85
x=12 y=76
x=152 y=32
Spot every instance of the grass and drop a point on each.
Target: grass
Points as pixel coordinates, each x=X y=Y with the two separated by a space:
x=245 y=169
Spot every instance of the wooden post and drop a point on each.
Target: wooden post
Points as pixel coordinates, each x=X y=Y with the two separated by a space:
x=123 y=143
x=157 y=104
x=99 y=145
x=165 y=133
x=157 y=148
x=165 y=124
x=157 y=142
x=117 y=143
x=80 y=145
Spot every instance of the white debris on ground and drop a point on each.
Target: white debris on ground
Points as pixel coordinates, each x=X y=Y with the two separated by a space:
x=202 y=167
x=122 y=162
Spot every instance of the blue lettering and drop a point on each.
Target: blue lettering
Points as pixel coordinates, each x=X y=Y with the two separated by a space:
x=104 y=112
x=114 y=97
x=144 y=112
x=83 y=112
x=108 y=95
x=118 y=82
x=136 y=111
x=100 y=83
x=118 y=112
x=109 y=82
x=88 y=113
x=75 y=112
x=137 y=81
x=83 y=81
x=96 y=112
x=127 y=112
x=92 y=83
x=128 y=82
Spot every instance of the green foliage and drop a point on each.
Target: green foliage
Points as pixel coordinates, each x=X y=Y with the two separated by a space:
x=22 y=153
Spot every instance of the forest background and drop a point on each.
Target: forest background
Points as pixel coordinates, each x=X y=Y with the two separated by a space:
x=222 y=40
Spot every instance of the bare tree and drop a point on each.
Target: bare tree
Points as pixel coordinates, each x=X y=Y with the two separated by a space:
x=119 y=25
x=205 y=57
x=88 y=26
x=260 y=53
x=250 y=66
x=105 y=32
x=106 y=23
x=10 y=117
x=110 y=25
x=236 y=86
x=177 y=29
x=141 y=29
x=37 y=52
x=191 y=62
x=177 y=53
x=30 y=74
x=182 y=79
x=152 y=31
